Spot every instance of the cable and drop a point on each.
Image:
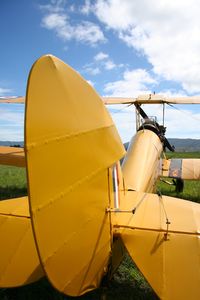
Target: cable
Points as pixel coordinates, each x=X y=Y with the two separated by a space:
x=183 y=112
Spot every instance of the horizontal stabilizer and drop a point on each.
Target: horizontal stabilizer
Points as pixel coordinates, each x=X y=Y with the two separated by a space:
x=19 y=262
x=12 y=99
x=163 y=239
x=12 y=156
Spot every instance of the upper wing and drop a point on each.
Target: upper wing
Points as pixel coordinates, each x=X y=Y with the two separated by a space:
x=12 y=100
x=142 y=99
x=118 y=100
x=12 y=156
x=187 y=168
x=151 y=99
x=163 y=239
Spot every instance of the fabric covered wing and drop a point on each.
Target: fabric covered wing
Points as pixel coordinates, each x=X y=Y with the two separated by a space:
x=12 y=99
x=151 y=99
x=163 y=239
x=12 y=156
x=186 y=168
x=19 y=262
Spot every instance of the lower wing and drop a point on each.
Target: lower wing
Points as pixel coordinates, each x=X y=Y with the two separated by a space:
x=19 y=262
x=12 y=156
x=186 y=168
x=162 y=235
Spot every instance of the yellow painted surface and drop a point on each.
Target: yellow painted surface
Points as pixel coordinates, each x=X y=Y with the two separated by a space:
x=151 y=99
x=165 y=167
x=168 y=258
x=19 y=262
x=70 y=142
x=190 y=168
x=72 y=145
x=12 y=100
x=12 y=156
x=141 y=164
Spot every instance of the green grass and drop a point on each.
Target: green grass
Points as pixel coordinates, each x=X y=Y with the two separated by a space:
x=183 y=154
x=127 y=283
x=12 y=182
x=191 y=190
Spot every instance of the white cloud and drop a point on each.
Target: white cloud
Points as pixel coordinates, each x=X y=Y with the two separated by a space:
x=54 y=6
x=56 y=18
x=134 y=82
x=109 y=65
x=104 y=61
x=4 y=91
x=176 y=121
x=100 y=63
x=182 y=123
x=54 y=21
x=114 y=13
x=11 y=122
x=86 y=8
x=124 y=119
x=11 y=134
x=14 y=116
x=92 y=70
x=101 y=56
x=89 y=32
x=166 y=32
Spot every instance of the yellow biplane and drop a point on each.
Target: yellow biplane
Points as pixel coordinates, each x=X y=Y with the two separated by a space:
x=83 y=210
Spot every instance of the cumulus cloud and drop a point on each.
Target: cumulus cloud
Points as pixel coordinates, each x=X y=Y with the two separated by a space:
x=176 y=120
x=166 y=32
x=56 y=18
x=92 y=70
x=100 y=63
x=104 y=60
x=101 y=56
x=180 y=121
x=11 y=122
x=86 y=8
x=133 y=83
x=4 y=91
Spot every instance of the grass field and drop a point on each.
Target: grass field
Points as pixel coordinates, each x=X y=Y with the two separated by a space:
x=128 y=283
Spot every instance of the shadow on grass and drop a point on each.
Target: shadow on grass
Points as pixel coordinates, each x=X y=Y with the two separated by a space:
x=12 y=192
x=127 y=284
x=42 y=290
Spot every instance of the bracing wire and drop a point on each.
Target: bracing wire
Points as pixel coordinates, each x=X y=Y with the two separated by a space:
x=184 y=112
x=116 y=111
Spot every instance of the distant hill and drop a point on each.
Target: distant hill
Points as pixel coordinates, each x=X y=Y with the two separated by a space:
x=183 y=145
x=13 y=144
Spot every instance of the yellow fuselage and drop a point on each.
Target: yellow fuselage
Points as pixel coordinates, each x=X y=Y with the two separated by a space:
x=141 y=165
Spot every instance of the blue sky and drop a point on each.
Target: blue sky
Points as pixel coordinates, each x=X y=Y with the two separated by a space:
x=122 y=48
